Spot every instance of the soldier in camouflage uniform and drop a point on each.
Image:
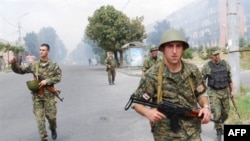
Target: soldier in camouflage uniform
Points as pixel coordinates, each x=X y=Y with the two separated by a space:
x=110 y=64
x=44 y=104
x=176 y=88
x=152 y=59
x=217 y=72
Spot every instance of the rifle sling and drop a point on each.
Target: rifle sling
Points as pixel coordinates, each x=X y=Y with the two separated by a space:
x=37 y=63
x=159 y=79
x=159 y=88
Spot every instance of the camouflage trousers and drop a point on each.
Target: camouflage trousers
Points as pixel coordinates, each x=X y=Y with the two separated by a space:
x=111 y=76
x=190 y=131
x=44 y=108
x=220 y=107
x=194 y=137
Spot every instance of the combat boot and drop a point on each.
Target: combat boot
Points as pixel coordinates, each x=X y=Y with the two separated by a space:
x=219 y=133
x=53 y=134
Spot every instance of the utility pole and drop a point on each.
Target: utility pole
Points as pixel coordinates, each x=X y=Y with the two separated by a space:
x=19 y=41
x=233 y=42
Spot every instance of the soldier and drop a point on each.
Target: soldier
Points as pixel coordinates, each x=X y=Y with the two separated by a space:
x=44 y=102
x=217 y=72
x=111 y=65
x=152 y=59
x=182 y=84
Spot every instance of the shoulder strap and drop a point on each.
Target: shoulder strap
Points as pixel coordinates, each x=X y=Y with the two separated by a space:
x=191 y=84
x=159 y=88
x=36 y=67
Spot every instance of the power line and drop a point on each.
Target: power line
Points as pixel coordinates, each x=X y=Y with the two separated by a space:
x=8 y=21
x=125 y=5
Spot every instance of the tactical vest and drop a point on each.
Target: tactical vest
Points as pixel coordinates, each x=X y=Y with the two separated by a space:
x=219 y=78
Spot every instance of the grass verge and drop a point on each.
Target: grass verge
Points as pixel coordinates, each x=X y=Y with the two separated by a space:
x=243 y=106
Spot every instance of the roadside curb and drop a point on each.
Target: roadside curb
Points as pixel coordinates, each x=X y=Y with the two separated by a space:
x=131 y=71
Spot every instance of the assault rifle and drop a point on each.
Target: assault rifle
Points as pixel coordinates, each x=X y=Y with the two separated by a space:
x=49 y=87
x=235 y=107
x=170 y=110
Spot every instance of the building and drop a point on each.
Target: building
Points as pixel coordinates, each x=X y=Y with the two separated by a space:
x=205 y=22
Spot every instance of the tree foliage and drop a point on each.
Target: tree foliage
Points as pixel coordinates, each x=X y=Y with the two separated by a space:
x=46 y=35
x=154 y=37
x=15 y=49
x=188 y=54
x=32 y=44
x=110 y=29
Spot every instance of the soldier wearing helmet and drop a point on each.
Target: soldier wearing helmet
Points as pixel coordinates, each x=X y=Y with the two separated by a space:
x=180 y=83
x=217 y=73
x=44 y=102
x=152 y=59
x=111 y=65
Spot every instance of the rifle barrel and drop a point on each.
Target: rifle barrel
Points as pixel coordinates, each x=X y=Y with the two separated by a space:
x=235 y=107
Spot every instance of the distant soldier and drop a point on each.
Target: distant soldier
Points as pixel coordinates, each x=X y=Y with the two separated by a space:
x=217 y=72
x=111 y=65
x=89 y=61
x=152 y=59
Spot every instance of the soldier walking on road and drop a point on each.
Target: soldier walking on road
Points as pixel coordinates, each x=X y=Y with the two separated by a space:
x=180 y=83
x=89 y=61
x=152 y=59
x=44 y=102
x=217 y=72
x=111 y=65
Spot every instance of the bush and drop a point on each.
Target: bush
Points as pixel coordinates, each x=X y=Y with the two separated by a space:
x=188 y=54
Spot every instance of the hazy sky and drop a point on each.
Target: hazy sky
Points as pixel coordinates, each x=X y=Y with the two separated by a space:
x=69 y=17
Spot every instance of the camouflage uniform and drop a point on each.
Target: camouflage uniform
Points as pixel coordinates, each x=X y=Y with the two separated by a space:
x=219 y=98
x=44 y=105
x=176 y=88
x=149 y=62
x=111 y=71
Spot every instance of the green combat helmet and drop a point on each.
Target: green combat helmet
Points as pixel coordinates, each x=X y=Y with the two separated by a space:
x=173 y=35
x=33 y=85
x=153 y=47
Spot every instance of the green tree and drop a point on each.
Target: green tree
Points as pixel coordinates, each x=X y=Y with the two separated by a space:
x=154 y=37
x=110 y=29
x=188 y=54
x=15 y=49
x=31 y=43
x=242 y=42
x=46 y=35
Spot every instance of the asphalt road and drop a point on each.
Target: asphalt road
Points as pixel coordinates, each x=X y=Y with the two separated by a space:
x=92 y=110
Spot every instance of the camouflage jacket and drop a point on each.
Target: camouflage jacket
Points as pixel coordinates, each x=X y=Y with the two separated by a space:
x=176 y=88
x=111 y=62
x=49 y=70
x=149 y=62
x=206 y=71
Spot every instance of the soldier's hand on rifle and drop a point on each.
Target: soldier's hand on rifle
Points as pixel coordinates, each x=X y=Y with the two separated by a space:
x=154 y=115
x=13 y=60
x=231 y=94
x=205 y=113
x=42 y=83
